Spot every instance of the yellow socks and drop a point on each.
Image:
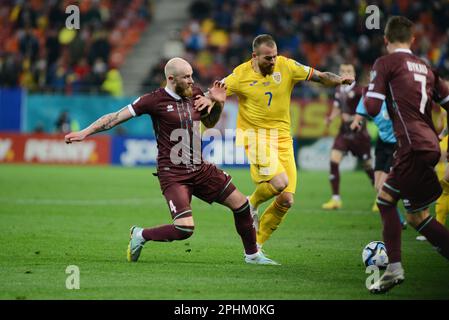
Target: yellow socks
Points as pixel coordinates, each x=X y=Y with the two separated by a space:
x=264 y=191
x=269 y=221
x=440 y=169
x=442 y=205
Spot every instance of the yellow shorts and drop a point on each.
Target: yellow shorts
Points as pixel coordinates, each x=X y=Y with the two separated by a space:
x=443 y=144
x=276 y=159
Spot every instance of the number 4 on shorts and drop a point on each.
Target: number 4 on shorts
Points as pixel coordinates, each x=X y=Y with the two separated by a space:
x=172 y=206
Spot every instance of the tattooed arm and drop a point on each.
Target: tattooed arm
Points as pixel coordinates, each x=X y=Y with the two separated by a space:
x=330 y=79
x=104 y=123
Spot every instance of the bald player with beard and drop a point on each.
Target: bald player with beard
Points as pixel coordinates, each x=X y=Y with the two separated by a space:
x=181 y=170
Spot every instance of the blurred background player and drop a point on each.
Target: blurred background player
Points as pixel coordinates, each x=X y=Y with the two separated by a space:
x=182 y=174
x=408 y=85
x=385 y=146
x=263 y=86
x=358 y=142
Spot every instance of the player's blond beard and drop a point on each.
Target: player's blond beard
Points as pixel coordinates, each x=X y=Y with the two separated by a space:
x=183 y=92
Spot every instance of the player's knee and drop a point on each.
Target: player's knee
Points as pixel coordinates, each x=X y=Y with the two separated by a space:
x=280 y=182
x=336 y=156
x=285 y=200
x=386 y=196
x=183 y=232
x=287 y=203
x=367 y=165
x=415 y=219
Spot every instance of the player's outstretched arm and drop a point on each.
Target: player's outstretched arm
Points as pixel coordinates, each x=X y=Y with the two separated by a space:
x=104 y=123
x=330 y=79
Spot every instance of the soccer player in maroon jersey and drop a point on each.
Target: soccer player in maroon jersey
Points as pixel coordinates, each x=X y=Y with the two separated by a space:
x=180 y=168
x=408 y=85
x=357 y=142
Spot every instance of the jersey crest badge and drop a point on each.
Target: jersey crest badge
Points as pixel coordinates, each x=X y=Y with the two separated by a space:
x=170 y=108
x=277 y=77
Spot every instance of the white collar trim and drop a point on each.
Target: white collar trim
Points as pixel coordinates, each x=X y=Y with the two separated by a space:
x=173 y=94
x=403 y=50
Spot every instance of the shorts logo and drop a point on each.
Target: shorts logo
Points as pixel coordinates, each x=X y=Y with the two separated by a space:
x=277 y=77
x=170 y=108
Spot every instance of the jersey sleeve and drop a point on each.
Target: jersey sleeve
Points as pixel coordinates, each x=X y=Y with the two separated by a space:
x=231 y=82
x=378 y=80
x=441 y=95
x=142 y=105
x=299 y=71
x=361 y=110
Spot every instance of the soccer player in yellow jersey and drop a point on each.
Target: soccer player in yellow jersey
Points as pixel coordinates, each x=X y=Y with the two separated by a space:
x=263 y=86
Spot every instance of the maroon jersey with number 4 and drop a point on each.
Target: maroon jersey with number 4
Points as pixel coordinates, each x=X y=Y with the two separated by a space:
x=177 y=128
x=409 y=85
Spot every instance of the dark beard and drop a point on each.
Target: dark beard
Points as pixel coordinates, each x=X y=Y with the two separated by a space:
x=183 y=92
x=266 y=70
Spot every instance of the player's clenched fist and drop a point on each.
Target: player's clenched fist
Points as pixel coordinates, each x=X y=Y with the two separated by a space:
x=74 y=136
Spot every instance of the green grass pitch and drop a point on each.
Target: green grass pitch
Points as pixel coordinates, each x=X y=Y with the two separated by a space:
x=56 y=216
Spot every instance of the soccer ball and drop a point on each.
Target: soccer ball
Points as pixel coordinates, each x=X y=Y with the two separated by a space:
x=375 y=254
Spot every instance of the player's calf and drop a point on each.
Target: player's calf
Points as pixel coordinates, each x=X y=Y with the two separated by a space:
x=434 y=232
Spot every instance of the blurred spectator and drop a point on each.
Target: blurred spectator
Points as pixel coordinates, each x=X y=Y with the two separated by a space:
x=113 y=83
x=39 y=128
x=63 y=123
x=28 y=45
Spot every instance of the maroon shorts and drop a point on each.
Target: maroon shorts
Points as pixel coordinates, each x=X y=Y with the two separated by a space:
x=208 y=183
x=413 y=179
x=358 y=143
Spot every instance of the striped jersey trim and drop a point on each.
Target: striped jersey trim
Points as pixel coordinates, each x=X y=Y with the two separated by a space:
x=131 y=109
x=376 y=95
x=310 y=73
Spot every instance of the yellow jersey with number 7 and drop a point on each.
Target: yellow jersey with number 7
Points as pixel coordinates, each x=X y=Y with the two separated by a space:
x=264 y=102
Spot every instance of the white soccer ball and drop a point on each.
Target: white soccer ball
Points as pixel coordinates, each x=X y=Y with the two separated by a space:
x=375 y=254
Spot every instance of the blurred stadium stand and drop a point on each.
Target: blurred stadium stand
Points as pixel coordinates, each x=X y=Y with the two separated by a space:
x=321 y=34
x=117 y=38
x=38 y=53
